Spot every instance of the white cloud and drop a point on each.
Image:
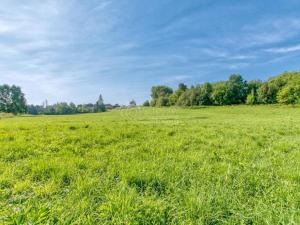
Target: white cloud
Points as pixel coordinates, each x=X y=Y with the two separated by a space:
x=176 y=78
x=284 y=49
x=270 y=31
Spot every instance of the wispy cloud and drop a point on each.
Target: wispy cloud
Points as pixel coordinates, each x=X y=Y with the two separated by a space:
x=71 y=50
x=271 y=31
x=284 y=49
x=176 y=79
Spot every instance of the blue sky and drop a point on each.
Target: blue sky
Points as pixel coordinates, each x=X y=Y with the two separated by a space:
x=73 y=50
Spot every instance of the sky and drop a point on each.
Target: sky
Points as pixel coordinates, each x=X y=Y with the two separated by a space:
x=74 y=50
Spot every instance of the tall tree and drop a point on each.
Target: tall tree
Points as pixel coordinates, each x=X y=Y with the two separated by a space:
x=176 y=95
x=12 y=99
x=237 y=89
x=18 y=100
x=99 y=106
x=160 y=92
x=205 y=93
x=5 y=98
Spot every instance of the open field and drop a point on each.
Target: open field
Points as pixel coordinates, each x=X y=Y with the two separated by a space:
x=215 y=165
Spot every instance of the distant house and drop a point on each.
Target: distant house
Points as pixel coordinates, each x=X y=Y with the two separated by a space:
x=110 y=106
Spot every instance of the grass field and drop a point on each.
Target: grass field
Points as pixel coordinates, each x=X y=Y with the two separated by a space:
x=215 y=165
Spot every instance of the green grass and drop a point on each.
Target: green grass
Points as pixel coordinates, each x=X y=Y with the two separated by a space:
x=6 y=115
x=215 y=165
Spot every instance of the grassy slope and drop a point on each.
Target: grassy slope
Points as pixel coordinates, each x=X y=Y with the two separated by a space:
x=216 y=165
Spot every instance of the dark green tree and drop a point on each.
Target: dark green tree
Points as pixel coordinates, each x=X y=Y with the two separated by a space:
x=146 y=104
x=205 y=92
x=132 y=103
x=99 y=106
x=12 y=99
x=237 y=89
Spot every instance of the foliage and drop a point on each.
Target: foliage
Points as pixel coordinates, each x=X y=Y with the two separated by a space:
x=132 y=103
x=185 y=98
x=162 y=101
x=160 y=91
x=237 y=89
x=214 y=165
x=281 y=89
x=220 y=94
x=99 y=106
x=176 y=95
x=205 y=92
x=159 y=94
x=63 y=108
x=12 y=99
x=290 y=94
x=267 y=93
x=251 y=98
x=252 y=89
x=146 y=104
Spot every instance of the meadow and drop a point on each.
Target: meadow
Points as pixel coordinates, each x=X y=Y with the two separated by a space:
x=208 y=165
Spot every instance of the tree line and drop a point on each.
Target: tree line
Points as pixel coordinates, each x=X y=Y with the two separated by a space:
x=12 y=100
x=283 y=89
x=63 y=108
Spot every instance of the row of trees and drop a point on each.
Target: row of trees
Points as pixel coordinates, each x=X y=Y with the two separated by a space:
x=284 y=89
x=12 y=99
x=64 y=108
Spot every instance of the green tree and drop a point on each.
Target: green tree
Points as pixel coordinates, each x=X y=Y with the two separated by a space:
x=5 y=98
x=186 y=98
x=99 y=106
x=73 y=108
x=12 y=99
x=251 y=98
x=132 y=103
x=176 y=95
x=220 y=93
x=237 y=89
x=162 y=101
x=205 y=92
x=290 y=94
x=160 y=92
x=267 y=93
x=146 y=104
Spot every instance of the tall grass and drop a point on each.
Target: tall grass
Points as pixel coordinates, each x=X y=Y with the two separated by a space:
x=215 y=165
